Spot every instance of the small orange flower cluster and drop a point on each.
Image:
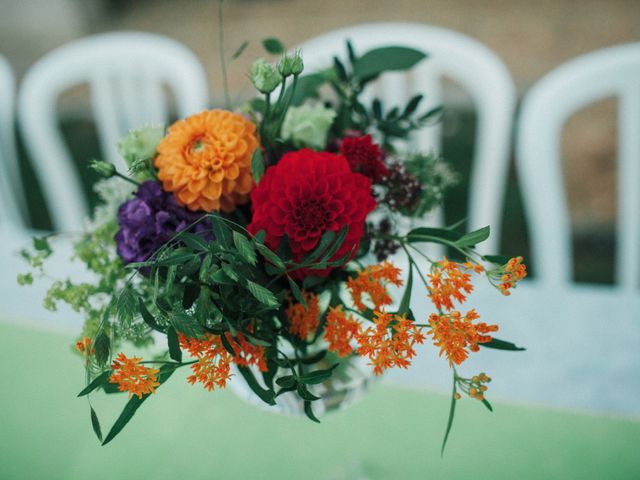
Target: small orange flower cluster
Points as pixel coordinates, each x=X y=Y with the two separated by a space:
x=454 y=333
x=389 y=343
x=304 y=320
x=513 y=272
x=246 y=354
x=213 y=366
x=474 y=387
x=372 y=281
x=448 y=282
x=84 y=346
x=340 y=330
x=132 y=377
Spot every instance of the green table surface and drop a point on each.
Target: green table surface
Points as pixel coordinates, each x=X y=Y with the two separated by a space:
x=188 y=433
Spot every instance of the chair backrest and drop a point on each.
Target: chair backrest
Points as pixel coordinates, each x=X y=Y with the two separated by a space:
x=126 y=73
x=562 y=92
x=468 y=63
x=13 y=205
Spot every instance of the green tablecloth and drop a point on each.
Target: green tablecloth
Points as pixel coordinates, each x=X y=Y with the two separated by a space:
x=186 y=432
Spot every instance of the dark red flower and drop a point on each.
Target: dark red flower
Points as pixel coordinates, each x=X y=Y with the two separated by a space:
x=364 y=157
x=306 y=194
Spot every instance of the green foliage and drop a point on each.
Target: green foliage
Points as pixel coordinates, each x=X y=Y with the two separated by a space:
x=273 y=46
x=435 y=177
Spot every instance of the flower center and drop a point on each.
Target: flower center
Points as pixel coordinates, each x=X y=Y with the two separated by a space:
x=311 y=215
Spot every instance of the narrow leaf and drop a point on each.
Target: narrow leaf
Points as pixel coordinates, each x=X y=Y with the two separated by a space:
x=405 y=303
x=297 y=293
x=240 y=49
x=486 y=403
x=265 y=395
x=317 y=376
x=174 y=345
x=102 y=347
x=97 y=382
x=501 y=345
x=308 y=410
x=473 y=238
x=452 y=411
x=95 y=423
x=270 y=256
x=323 y=244
x=262 y=294
x=257 y=165
x=384 y=59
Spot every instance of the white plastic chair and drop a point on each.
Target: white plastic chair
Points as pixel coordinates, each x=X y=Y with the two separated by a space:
x=126 y=72
x=13 y=205
x=567 y=89
x=582 y=340
x=467 y=62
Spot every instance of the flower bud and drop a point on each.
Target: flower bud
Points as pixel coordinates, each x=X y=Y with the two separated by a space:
x=103 y=169
x=291 y=65
x=264 y=76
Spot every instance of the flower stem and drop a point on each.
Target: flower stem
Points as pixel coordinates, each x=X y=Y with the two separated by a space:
x=223 y=61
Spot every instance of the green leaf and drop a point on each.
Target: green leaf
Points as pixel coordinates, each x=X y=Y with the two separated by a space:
x=41 y=244
x=273 y=46
x=174 y=345
x=102 y=347
x=190 y=294
x=412 y=105
x=220 y=230
x=317 y=376
x=126 y=305
x=297 y=293
x=433 y=235
x=341 y=72
x=335 y=246
x=323 y=244
x=262 y=294
x=501 y=345
x=376 y=106
x=186 y=324
x=257 y=165
x=452 y=411
x=473 y=238
x=134 y=403
x=498 y=259
x=194 y=241
x=270 y=256
x=147 y=317
x=265 y=395
x=405 y=303
x=305 y=394
x=312 y=359
x=95 y=423
x=178 y=257
x=384 y=59
x=97 y=382
x=486 y=403
x=245 y=247
x=240 y=49
x=286 y=381
x=308 y=410
x=431 y=114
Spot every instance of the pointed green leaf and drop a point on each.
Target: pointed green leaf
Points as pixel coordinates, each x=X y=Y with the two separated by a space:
x=317 y=376
x=270 y=256
x=240 y=49
x=486 y=403
x=245 y=247
x=308 y=410
x=95 y=423
x=385 y=59
x=174 y=345
x=473 y=238
x=100 y=380
x=452 y=411
x=265 y=395
x=405 y=303
x=501 y=345
x=257 y=165
x=262 y=294
x=297 y=293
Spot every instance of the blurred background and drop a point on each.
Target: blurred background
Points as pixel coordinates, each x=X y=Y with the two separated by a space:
x=530 y=37
x=582 y=423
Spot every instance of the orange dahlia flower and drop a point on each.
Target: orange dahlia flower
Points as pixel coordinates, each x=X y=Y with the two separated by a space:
x=205 y=160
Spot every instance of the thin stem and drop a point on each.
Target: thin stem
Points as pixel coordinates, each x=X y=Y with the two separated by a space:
x=124 y=177
x=166 y=362
x=223 y=61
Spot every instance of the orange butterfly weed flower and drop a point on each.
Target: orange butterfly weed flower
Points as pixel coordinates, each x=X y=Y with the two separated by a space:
x=389 y=343
x=512 y=273
x=339 y=330
x=205 y=160
x=246 y=354
x=213 y=367
x=84 y=346
x=454 y=334
x=304 y=321
x=448 y=282
x=372 y=281
x=132 y=377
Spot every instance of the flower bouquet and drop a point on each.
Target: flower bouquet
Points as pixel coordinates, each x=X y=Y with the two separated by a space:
x=257 y=247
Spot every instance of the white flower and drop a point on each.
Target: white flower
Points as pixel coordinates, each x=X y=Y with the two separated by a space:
x=308 y=126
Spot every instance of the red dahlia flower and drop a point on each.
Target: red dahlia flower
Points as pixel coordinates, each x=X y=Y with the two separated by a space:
x=364 y=157
x=306 y=194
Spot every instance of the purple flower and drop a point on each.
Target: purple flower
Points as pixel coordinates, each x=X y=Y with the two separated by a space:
x=150 y=220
